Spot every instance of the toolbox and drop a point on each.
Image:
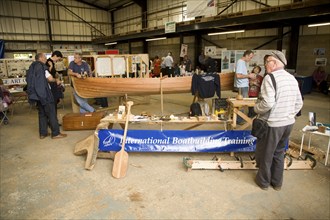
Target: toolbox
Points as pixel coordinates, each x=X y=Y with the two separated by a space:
x=81 y=121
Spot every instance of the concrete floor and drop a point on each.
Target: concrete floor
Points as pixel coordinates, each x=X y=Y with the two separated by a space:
x=43 y=179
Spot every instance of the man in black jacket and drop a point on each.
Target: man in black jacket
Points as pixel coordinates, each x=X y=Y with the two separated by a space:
x=39 y=91
x=55 y=88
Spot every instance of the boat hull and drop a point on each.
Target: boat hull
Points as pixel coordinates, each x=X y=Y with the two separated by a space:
x=107 y=87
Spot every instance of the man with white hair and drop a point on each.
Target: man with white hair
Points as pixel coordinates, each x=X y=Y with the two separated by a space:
x=281 y=101
x=168 y=61
x=39 y=92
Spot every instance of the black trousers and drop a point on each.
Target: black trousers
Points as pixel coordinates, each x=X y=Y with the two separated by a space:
x=47 y=114
x=169 y=71
x=270 y=156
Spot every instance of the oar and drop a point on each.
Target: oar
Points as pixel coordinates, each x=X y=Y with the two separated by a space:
x=121 y=158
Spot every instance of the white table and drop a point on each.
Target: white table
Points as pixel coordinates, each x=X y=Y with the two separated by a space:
x=306 y=131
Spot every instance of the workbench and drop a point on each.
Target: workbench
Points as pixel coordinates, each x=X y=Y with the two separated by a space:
x=234 y=107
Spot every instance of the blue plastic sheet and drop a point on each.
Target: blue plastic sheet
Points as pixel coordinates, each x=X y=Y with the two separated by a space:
x=178 y=141
x=2 y=49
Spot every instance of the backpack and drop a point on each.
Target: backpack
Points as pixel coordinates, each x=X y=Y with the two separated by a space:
x=195 y=109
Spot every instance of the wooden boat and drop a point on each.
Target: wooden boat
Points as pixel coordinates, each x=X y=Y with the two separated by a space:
x=94 y=87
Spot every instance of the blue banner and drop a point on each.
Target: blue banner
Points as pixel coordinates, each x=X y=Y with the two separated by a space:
x=178 y=141
x=2 y=49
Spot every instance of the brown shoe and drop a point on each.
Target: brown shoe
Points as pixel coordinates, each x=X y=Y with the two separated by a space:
x=59 y=136
x=43 y=136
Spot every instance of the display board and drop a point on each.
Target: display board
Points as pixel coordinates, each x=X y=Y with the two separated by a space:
x=103 y=66
x=119 y=65
x=13 y=68
x=3 y=69
x=230 y=58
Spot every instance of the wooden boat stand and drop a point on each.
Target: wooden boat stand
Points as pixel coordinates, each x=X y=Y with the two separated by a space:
x=234 y=107
x=216 y=164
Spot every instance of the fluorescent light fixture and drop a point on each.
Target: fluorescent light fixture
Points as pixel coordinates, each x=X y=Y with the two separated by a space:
x=112 y=43
x=320 y=24
x=227 y=32
x=159 y=38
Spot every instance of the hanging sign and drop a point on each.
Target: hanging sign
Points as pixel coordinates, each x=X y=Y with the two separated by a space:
x=170 y=27
x=184 y=50
x=177 y=141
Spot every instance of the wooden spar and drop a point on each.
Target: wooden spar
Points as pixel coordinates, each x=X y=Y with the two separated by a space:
x=106 y=87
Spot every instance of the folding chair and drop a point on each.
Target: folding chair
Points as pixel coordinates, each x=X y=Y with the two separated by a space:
x=3 y=114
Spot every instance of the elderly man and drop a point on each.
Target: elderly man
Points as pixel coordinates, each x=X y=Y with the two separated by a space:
x=39 y=91
x=281 y=101
x=78 y=68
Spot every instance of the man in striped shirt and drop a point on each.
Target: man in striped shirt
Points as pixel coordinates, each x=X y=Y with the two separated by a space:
x=284 y=101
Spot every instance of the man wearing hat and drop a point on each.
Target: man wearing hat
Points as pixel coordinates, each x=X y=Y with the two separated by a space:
x=283 y=100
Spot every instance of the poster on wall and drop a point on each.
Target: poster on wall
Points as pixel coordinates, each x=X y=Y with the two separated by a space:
x=320 y=61
x=319 y=51
x=184 y=50
x=225 y=61
x=206 y=8
x=230 y=58
x=210 y=51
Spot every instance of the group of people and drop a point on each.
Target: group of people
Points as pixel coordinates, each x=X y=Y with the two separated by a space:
x=168 y=67
x=278 y=104
x=39 y=80
x=43 y=89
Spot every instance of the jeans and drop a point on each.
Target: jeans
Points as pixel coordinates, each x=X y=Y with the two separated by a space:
x=83 y=103
x=46 y=113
